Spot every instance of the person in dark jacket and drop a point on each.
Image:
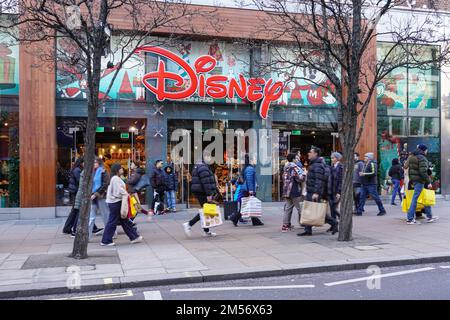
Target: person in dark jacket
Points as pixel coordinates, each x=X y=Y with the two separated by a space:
x=248 y=188
x=134 y=181
x=357 y=180
x=316 y=182
x=397 y=174
x=369 y=185
x=171 y=181
x=419 y=177
x=74 y=183
x=204 y=188
x=337 y=174
x=158 y=181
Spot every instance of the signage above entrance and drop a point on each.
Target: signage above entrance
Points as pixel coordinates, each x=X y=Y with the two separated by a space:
x=215 y=86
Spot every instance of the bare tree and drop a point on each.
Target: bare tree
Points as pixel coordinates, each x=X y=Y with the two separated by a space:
x=338 y=39
x=83 y=31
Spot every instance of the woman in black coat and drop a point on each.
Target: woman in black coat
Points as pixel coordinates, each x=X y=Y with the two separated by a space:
x=397 y=174
x=74 y=183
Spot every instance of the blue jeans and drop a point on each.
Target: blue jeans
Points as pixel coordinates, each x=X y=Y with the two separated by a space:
x=418 y=187
x=396 y=190
x=372 y=190
x=171 y=199
x=114 y=219
x=98 y=205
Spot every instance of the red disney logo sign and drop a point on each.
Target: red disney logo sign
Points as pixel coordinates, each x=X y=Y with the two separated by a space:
x=217 y=87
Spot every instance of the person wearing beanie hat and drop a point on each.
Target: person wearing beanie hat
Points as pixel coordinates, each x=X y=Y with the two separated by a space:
x=369 y=185
x=337 y=173
x=418 y=171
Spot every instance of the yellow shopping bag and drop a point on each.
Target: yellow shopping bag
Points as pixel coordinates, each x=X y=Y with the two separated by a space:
x=406 y=203
x=210 y=209
x=428 y=197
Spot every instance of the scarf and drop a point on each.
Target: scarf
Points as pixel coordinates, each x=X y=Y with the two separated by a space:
x=97 y=179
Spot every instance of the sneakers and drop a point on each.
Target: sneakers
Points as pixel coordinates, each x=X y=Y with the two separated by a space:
x=107 y=244
x=72 y=234
x=285 y=228
x=306 y=233
x=98 y=231
x=393 y=204
x=187 y=229
x=412 y=222
x=137 y=240
x=209 y=234
x=381 y=213
x=432 y=219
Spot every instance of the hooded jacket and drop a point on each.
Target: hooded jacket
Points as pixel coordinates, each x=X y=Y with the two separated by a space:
x=74 y=181
x=203 y=180
x=249 y=177
x=171 y=179
x=418 y=168
x=337 y=173
x=396 y=172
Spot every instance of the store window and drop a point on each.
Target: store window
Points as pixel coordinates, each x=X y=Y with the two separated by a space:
x=9 y=123
x=408 y=114
x=117 y=140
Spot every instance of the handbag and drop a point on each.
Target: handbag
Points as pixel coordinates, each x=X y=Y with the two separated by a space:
x=251 y=207
x=124 y=208
x=313 y=213
x=210 y=209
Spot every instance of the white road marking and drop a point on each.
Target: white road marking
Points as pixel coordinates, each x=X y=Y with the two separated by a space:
x=445 y=267
x=393 y=274
x=128 y=293
x=153 y=295
x=107 y=280
x=244 y=288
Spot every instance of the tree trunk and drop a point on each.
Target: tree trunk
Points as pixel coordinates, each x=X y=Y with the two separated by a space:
x=81 y=242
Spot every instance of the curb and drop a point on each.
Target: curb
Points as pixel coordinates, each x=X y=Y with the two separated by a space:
x=41 y=289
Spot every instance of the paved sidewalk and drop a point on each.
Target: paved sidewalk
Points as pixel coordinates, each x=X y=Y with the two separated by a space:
x=33 y=254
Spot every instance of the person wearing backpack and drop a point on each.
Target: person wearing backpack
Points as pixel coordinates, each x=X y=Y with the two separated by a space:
x=316 y=186
x=248 y=188
x=293 y=177
x=397 y=174
x=369 y=185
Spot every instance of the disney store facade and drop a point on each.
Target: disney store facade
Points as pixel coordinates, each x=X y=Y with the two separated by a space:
x=39 y=143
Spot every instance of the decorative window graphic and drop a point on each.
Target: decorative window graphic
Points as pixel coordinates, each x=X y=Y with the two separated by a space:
x=9 y=66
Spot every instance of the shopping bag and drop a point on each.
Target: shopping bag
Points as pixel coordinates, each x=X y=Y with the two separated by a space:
x=210 y=209
x=313 y=213
x=251 y=207
x=209 y=221
x=406 y=203
x=124 y=208
x=134 y=205
x=429 y=197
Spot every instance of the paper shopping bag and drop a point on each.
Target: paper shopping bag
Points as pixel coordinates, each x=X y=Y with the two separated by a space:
x=313 y=213
x=428 y=197
x=124 y=208
x=251 y=207
x=210 y=209
x=208 y=221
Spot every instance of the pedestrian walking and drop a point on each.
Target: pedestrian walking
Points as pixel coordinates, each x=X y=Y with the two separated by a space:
x=74 y=183
x=171 y=183
x=116 y=191
x=134 y=182
x=157 y=179
x=247 y=188
x=369 y=185
x=316 y=185
x=397 y=174
x=419 y=178
x=293 y=177
x=204 y=188
x=357 y=180
x=98 y=202
x=337 y=173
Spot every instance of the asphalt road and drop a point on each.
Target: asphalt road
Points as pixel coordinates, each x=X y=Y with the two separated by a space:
x=422 y=282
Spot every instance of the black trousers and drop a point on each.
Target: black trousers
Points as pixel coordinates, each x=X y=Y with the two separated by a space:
x=202 y=199
x=73 y=215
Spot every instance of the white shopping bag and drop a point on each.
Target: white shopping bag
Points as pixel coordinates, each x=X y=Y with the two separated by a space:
x=209 y=221
x=251 y=207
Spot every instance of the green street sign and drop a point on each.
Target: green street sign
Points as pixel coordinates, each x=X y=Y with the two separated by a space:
x=100 y=129
x=124 y=136
x=296 y=132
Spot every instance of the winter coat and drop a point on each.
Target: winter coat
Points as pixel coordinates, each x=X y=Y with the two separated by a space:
x=77 y=203
x=134 y=179
x=370 y=170
x=293 y=177
x=316 y=179
x=101 y=192
x=396 y=172
x=157 y=179
x=171 y=180
x=249 y=177
x=418 y=168
x=203 y=180
x=337 y=175
x=358 y=167
x=74 y=180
